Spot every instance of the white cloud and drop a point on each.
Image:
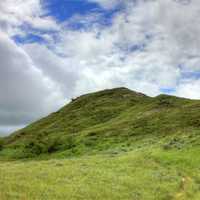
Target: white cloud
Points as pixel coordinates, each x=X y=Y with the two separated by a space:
x=26 y=93
x=189 y=89
x=59 y=69
x=149 y=45
x=105 y=56
x=19 y=12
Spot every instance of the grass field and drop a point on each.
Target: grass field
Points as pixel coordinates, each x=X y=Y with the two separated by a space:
x=147 y=174
x=110 y=145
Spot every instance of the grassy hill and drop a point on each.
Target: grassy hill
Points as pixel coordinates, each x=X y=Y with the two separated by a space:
x=113 y=145
x=107 y=121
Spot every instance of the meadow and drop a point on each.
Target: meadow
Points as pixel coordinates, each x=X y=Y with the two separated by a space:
x=150 y=174
x=110 y=145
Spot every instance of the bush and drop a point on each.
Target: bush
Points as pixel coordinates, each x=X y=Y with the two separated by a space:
x=1 y=143
x=175 y=143
x=165 y=101
x=53 y=146
x=35 y=147
x=50 y=145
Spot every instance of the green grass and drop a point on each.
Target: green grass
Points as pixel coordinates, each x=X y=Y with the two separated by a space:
x=145 y=174
x=111 y=145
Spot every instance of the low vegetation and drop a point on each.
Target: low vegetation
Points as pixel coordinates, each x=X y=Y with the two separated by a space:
x=113 y=144
x=145 y=174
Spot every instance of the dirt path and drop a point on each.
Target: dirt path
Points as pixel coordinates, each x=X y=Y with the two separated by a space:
x=185 y=182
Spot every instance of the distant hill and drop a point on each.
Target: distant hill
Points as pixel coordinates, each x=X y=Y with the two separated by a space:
x=107 y=120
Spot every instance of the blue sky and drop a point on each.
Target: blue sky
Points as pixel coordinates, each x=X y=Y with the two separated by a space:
x=64 y=11
x=55 y=50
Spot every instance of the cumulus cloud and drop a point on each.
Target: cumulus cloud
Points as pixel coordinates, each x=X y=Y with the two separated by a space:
x=26 y=93
x=61 y=70
x=17 y=13
x=149 y=45
x=189 y=89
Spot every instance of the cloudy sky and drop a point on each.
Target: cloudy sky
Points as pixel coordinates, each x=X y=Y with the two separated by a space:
x=53 y=50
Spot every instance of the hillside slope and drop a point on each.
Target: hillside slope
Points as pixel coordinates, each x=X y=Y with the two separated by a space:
x=109 y=120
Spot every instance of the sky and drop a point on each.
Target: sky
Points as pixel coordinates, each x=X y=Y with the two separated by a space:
x=55 y=50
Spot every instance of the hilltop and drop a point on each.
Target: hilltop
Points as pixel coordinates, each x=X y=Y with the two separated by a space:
x=108 y=120
x=109 y=145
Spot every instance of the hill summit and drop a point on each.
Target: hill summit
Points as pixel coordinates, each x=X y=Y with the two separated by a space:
x=105 y=120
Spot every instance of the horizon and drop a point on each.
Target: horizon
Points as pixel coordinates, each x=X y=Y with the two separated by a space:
x=52 y=51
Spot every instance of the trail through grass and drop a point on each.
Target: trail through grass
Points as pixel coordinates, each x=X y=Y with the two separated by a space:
x=139 y=175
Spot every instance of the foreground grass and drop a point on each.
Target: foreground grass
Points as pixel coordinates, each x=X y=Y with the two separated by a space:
x=153 y=174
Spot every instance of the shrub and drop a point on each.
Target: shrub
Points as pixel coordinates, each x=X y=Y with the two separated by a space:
x=36 y=147
x=1 y=143
x=175 y=143
x=165 y=101
x=53 y=146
